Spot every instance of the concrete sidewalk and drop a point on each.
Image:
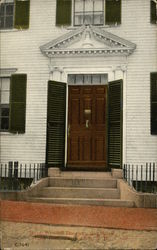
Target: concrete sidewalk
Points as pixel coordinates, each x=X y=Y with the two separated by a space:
x=76 y=215
x=28 y=236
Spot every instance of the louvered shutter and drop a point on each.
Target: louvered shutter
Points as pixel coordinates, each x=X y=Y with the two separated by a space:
x=154 y=103
x=153 y=12
x=115 y=123
x=63 y=12
x=113 y=12
x=17 y=103
x=22 y=14
x=56 y=123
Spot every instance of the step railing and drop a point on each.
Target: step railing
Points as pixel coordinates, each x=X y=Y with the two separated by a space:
x=142 y=178
x=15 y=176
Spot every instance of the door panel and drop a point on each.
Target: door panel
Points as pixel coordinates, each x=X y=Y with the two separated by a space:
x=87 y=126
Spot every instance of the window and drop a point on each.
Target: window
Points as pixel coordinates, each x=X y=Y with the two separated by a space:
x=154 y=103
x=88 y=12
x=14 y=14
x=153 y=13
x=7 y=14
x=4 y=103
x=87 y=79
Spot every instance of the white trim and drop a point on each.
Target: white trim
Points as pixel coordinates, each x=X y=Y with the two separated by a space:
x=124 y=136
x=7 y=72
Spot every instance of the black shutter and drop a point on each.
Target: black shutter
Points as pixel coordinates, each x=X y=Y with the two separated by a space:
x=17 y=103
x=113 y=12
x=153 y=13
x=154 y=103
x=56 y=123
x=115 y=105
x=63 y=12
x=22 y=14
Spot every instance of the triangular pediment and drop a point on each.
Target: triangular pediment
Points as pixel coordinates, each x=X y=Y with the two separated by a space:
x=88 y=40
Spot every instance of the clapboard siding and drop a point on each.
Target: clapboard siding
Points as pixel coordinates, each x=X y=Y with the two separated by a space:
x=22 y=51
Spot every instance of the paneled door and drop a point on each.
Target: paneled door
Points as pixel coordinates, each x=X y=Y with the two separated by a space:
x=87 y=126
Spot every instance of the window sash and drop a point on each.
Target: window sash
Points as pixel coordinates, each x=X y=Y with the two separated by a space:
x=7 y=19
x=4 y=103
x=4 y=117
x=87 y=12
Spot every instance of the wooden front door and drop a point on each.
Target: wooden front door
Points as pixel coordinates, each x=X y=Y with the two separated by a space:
x=87 y=126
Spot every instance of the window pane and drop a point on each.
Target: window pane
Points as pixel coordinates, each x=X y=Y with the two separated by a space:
x=5 y=82
x=78 y=18
x=87 y=79
x=79 y=79
x=71 y=79
x=9 y=22
x=98 y=5
x=5 y=123
x=88 y=5
x=88 y=18
x=78 y=12
x=5 y=112
x=96 y=79
x=104 y=79
x=9 y=9
x=98 y=18
x=4 y=97
x=1 y=9
x=9 y=1
x=1 y=22
x=78 y=5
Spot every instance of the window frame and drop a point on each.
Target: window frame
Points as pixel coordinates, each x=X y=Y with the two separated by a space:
x=5 y=16
x=73 y=14
x=5 y=105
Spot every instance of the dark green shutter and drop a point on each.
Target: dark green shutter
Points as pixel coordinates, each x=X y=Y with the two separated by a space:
x=22 y=14
x=63 y=12
x=113 y=12
x=17 y=103
x=115 y=104
x=154 y=103
x=153 y=13
x=56 y=123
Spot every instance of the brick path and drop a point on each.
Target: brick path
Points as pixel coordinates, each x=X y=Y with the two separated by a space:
x=90 y=216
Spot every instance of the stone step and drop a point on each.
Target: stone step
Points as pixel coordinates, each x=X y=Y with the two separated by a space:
x=83 y=201
x=71 y=192
x=55 y=172
x=82 y=182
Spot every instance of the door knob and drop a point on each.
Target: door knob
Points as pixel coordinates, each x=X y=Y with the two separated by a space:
x=87 y=123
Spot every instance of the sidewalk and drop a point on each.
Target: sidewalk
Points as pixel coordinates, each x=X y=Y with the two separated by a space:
x=75 y=215
x=28 y=236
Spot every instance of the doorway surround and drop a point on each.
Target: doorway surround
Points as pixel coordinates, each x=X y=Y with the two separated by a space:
x=89 y=50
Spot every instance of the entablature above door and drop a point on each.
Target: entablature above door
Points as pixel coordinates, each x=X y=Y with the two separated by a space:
x=88 y=41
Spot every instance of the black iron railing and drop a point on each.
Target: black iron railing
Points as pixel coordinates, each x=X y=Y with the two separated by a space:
x=142 y=177
x=15 y=176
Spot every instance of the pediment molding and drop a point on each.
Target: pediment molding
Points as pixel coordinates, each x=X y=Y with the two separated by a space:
x=88 y=40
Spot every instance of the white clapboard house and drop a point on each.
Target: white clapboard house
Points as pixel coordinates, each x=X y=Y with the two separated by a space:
x=78 y=84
